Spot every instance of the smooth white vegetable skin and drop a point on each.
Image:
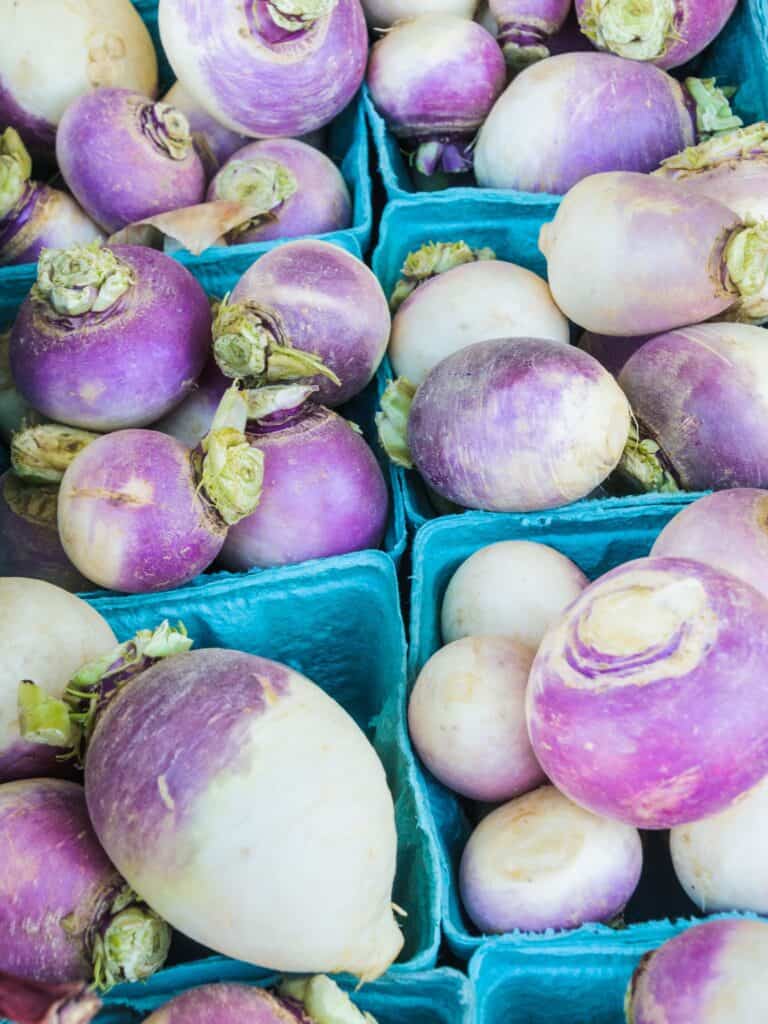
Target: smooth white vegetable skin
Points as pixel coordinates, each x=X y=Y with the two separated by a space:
x=384 y=13
x=467 y=718
x=515 y=588
x=541 y=862
x=473 y=302
x=722 y=861
x=52 y=51
x=46 y=635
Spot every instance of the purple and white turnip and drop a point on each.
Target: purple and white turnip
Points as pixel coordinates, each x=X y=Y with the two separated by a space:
x=323 y=492
x=67 y=913
x=46 y=634
x=294 y=190
x=541 y=862
x=85 y=47
x=645 y=701
x=466 y=717
x=509 y=425
x=514 y=588
x=282 y=68
x=125 y=158
x=524 y=28
x=470 y=303
x=434 y=79
x=34 y=216
x=430 y=260
x=667 y=33
x=713 y=973
x=700 y=398
x=139 y=512
x=303 y=300
x=109 y=338
x=578 y=114
x=630 y=254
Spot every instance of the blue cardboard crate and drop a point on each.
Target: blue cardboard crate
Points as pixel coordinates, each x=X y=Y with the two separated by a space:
x=219 y=277
x=598 y=538
x=341 y=626
x=737 y=57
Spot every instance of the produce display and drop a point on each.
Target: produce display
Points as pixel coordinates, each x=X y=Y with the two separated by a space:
x=224 y=426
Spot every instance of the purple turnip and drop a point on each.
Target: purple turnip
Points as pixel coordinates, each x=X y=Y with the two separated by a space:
x=294 y=189
x=706 y=426
x=434 y=79
x=673 y=258
x=296 y=63
x=713 y=973
x=667 y=33
x=645 y=700
x=67 y=913
x=514 y=588
x=85 y=47
x=466 y=717
x=509 y=425
x=323 y=492
x=109 y=338
x=140 y=512
x=306 y=307
x=33 y=216
x=541 y=862
x=525 y=27
x=125 y=158
x=577 y=114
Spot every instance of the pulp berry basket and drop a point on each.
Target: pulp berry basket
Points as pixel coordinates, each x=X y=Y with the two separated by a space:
x=339 y=625
x=738 y=57
x=219 y=277
x=423 y=997
x=597 y=537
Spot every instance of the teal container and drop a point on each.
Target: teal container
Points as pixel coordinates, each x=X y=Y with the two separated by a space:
x=512 y=233
x=597 y=537
x=737 y=57
x=219 y=277
x=442 y=996
x=340 y=625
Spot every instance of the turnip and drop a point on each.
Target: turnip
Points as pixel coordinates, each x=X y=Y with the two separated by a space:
x=514 y=588
x=86 y=46
x=525 y=26
x=722 y=861
x=434 y=79
x=46 y=634
x=541 y=862
x=471 y=303
x=34 y=216
x=66 y=912
x=140 y=512
x=229 y=811
x=191 y=421
x=576 y=114
x=126 y=158
x=713 y=973
x=316 y=1000
x=728 y=530
x=431 y=259
x=645 y=699
x=466 y=717
x=705 y=428
x=675 y=258
x=281 y=68
x=384 y=13
x=509 y=425
x=214 y=142
x=323 y=492
x=611 y=352
x=294 y=189
x=302 y=300
x=109 y=338
x=732 y=168
x=33 y=1002
x=667 y=33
